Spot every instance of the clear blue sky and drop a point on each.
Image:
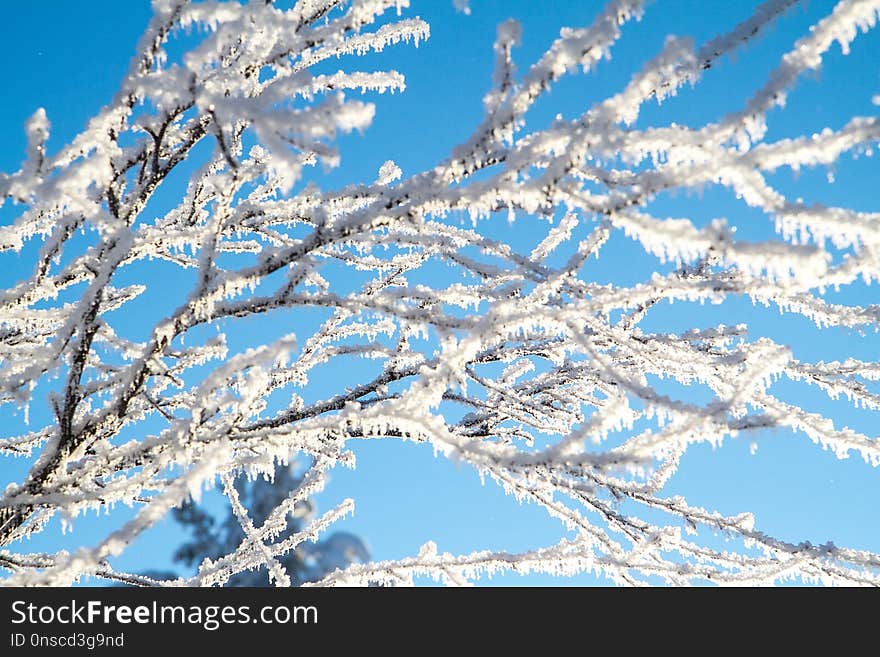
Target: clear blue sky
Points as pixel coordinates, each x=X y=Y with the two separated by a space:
x=68 y=56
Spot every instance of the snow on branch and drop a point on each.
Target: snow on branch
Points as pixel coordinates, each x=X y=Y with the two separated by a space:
x=523 y=367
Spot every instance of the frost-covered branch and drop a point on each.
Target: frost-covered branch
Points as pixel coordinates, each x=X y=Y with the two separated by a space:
x=521 y=366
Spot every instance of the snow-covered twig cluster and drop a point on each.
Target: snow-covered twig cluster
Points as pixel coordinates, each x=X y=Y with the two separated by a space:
x=520 y=367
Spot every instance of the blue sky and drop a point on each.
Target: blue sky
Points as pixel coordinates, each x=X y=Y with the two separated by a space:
x=70 y=56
